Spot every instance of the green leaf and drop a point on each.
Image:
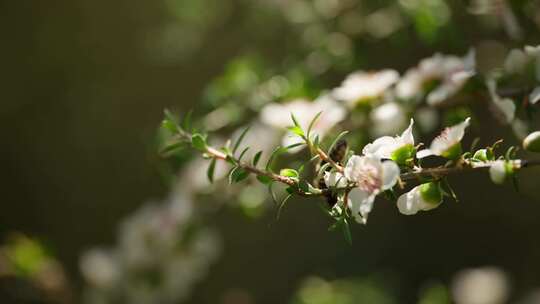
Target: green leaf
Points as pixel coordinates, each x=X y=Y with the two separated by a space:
x=264 y=179
x=295 y=121
x=239 y=140
x=211 y=169
x=334 y=143
x=293 y=146
x=289 y=173
x=171 y=147
x=282 y=205
x=198 y=142
x=256 y=158
x=312 y=123
x=297 y=130
x=168 y=125
x=278 y=150
x=347 y=231
x=242 y=154
x=186 y=122
x=237 y=175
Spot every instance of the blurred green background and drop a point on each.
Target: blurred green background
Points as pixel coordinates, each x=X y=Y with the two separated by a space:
x=84 y=84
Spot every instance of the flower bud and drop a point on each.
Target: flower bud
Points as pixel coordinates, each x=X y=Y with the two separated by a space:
x=532 y=142
x=500 y=170
x=431 y=193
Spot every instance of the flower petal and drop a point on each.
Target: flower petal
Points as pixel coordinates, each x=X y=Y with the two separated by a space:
x=424 y=153
x=409 y=203
x=390 y=174
x=335 y=179
x=360 y=203
x=407 y=135
x=382 y=147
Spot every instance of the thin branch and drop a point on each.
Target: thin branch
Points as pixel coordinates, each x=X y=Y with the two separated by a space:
x=418 y=174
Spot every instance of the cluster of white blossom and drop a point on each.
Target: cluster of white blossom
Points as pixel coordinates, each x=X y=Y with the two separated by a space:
x=160 y=255
x=382 y=102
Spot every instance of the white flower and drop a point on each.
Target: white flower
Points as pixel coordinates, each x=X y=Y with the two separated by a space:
x=335 y=179
x=371 y=176
x=398 y=148
x=279 y=115
x=363 y=86
x=449 y=73
x=421 y=198
x=448 y=143
x=387 y=119
x=505 y=105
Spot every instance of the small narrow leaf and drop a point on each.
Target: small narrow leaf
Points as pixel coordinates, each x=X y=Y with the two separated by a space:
x=278 y=150
x=347 y=231
x=211 y=169
x=169 y=125
x=312 y=123
x=186 y=122
x=282 y=205
x=256 y=158
x=239 y=140
x=242 y=154
x=295 y=121
x=297 y=130
x=340 y=136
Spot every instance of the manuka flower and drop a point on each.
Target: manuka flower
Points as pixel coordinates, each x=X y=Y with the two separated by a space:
x=421 y=198
x=371 y=176
x=448 y=143
x=365 y=86
x=279 y=115
x=399 y=148
x=440 y=77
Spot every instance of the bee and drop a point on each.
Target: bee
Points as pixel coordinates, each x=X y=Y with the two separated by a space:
x=337 y=154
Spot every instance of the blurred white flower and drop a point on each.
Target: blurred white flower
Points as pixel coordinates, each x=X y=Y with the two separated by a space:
x=517 y=60
x=534 y=97
x=427 y=118
x=398 y=148
x=504 y=105
x=100 y=268
x=279 y=115
x=421 y=198
x=335 y=179
x=485 y=285
x=388 y=119
x=448 y=143
x=363 y=86
x=160 y=239
x=444 y=75
x=371 y=176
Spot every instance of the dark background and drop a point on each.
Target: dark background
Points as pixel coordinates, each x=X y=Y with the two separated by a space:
x=80 y=102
